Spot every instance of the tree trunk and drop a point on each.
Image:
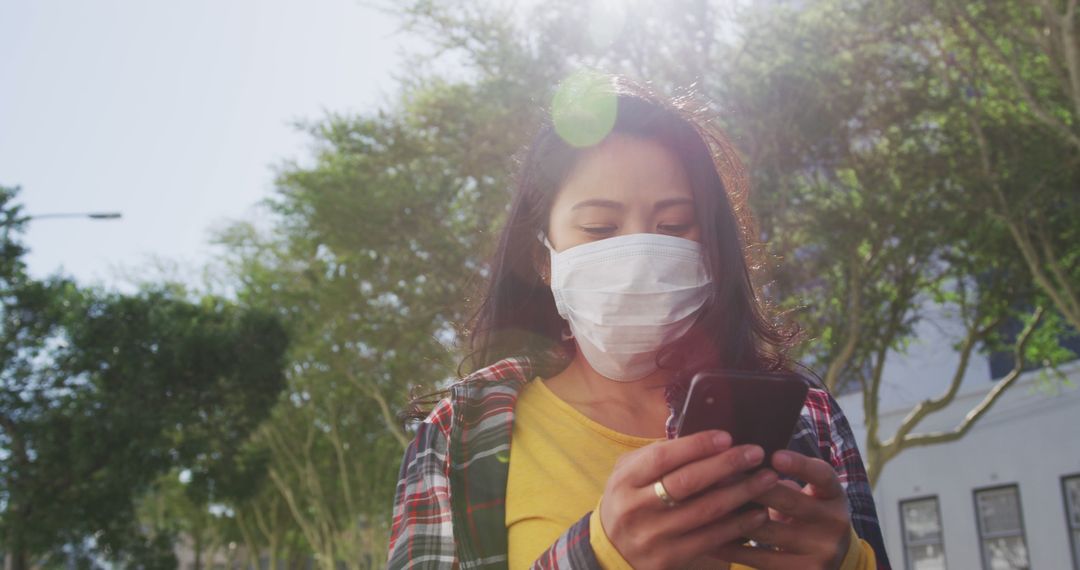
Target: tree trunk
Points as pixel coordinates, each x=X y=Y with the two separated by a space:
x=15 y=558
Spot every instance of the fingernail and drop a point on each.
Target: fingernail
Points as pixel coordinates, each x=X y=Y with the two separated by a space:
x=722 y=440
x=753 y=454
x=759 y=517
x=781 y=460
x=765 y=477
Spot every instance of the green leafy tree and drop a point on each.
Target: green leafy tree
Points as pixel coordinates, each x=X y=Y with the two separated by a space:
x=1011 y=73
x=169 y=510
x=373 y=249
x=100 y=393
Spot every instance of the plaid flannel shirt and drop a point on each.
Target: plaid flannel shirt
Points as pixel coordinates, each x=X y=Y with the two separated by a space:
x=450 y=501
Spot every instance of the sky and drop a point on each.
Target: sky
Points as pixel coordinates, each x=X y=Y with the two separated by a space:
x=171 y=113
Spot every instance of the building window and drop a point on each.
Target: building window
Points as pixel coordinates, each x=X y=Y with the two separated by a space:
x=1071 y=487
x=1001 y=528
x=924 y=540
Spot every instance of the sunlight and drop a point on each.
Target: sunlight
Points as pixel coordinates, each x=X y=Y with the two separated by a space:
x=606 y=21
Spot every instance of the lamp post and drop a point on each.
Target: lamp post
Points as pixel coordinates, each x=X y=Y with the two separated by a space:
x=91 y=215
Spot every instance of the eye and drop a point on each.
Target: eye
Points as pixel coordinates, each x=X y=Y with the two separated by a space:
x=674 y=228
x=599 y=230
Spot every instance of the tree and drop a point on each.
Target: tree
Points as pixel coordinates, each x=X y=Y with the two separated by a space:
x=1012 y=72
x=169 y=511
x=372 y=251
x=100 y=393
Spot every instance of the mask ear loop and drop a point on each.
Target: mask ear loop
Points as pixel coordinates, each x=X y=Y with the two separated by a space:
x=540 y=237
x=567 y=333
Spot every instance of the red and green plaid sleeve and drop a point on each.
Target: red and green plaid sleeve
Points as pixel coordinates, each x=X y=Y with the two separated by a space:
x=421 y=534
x=823 y=426
x=571 y=550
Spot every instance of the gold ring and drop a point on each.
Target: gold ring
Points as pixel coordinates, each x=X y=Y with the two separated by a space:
x=661 y=491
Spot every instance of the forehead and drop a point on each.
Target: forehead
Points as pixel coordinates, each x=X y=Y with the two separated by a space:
x=627 y=169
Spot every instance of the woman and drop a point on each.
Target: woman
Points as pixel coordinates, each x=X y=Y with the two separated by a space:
x=621 y=271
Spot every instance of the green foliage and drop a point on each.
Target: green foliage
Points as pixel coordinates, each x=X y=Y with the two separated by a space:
x=374 y=250
x=101 y=393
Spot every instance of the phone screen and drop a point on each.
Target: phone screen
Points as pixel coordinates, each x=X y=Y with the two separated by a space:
x=754 y=407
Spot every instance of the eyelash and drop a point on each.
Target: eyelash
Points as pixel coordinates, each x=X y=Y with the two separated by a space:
x=598 y=230
x=605 y=230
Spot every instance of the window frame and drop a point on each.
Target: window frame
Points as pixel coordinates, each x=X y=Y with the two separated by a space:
x=979 y=521
x=1074 y=544
x=904 y=533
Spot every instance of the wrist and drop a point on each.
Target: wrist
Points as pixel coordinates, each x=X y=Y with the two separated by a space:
x=847 y=555
x=607 y=554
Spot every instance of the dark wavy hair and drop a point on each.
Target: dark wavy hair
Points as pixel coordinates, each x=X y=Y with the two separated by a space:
x=516 y=315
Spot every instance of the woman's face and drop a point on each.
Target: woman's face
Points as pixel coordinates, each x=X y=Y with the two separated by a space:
x=625 y=185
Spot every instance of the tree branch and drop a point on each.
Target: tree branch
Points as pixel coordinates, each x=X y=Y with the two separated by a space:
x=1070 y=302
x=929 y=406
x=1040 y=113
x=1071 y=47
x=987 y=402
x=871 y=397
x=250 y=544
x=339 y=450
x=384 y=409
x=1018 y=231
x=838 y=364
x=310 y=533
x=1027 y=250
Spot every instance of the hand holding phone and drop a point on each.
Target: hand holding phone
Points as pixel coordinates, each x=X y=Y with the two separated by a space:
x=762 y=409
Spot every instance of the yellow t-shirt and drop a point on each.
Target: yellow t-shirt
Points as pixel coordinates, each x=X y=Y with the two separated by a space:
x=559 y=463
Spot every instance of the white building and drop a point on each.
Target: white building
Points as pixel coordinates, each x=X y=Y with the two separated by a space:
x=1007 y=495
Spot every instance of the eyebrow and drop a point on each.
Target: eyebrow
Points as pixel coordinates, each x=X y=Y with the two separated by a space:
x=601 y=203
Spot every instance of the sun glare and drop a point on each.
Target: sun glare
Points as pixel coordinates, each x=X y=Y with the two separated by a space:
x=583 y=109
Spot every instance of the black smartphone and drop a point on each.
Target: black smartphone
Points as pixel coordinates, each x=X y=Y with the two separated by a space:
x=754 y=407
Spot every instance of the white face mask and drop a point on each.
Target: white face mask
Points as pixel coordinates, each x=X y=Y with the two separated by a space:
x=625 y=297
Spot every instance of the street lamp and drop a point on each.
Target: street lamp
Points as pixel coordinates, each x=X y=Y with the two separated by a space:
x=91 y=215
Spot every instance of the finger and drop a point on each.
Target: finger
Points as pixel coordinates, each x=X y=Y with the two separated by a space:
x=659 y=458
x=696 y=476
x=792 y=503
x=776 y=515
x=797 y=539
x=819 y=474
x=761 y=558
x=730 y=529
x=718 y=503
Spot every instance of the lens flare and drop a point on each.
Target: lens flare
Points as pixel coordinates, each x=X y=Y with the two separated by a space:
x=583 y=109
